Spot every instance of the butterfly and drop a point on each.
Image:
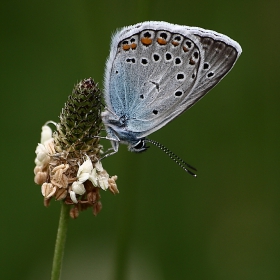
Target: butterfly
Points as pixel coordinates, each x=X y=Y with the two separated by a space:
x=155 y=72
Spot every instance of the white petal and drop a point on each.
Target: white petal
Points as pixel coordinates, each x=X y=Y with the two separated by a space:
x=38 y=162
x=86 y=167
x=46 y=133
x=40 y=149
x=73 y=197
x=93 y=177
x=78 y=188
x=42 y=155
x=83 y=177
x=99 y=166
x=103 y=182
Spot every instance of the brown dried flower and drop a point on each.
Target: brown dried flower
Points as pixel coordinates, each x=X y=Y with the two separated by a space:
x=68 y=165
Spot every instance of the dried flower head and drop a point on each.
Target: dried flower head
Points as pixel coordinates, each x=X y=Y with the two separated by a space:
x=68 y=165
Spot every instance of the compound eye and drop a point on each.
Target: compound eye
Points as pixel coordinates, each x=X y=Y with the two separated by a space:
x=139 y=145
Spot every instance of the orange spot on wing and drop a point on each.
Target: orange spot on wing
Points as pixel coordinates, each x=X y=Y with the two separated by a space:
x=185 y=49
x=146 y=41
x=175 y=43
x=133 y=46
x=192 y=62
x=161 y=41
x=126 y=47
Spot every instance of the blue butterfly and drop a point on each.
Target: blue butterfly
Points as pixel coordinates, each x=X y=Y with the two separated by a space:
x=154 y=73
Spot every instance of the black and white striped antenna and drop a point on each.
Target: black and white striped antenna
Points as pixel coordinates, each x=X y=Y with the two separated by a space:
x=174 y=157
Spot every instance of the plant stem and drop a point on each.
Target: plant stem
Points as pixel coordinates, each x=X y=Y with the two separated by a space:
x=60 y=242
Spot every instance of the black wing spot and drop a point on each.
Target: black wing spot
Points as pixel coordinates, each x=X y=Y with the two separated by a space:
x=210 y=74
x=155 y=112
x=141 y=96
x=195 y=54
x=178 y=60
x=180 y=76
x=147 y=34
x=156 y=57
x=189 y=44
x=178 y=93
x=163 y=35
x=130 y=60
x=144 y=61
x=206 y=65
x=156 y=84
x=168 y=56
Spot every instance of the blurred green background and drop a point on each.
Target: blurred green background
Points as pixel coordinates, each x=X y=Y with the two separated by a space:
x=164 y=224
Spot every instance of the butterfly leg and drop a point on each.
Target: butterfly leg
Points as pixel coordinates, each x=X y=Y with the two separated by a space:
x=105 y=137
x=108 y=154
x=115 y=141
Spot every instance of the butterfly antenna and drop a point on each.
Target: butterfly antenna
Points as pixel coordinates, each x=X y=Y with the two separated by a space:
x=178 y=160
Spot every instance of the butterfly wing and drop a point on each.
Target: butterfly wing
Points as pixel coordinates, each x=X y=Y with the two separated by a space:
x=157 y=70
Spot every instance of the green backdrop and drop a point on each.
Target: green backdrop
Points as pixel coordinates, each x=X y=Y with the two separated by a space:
x=164 y=224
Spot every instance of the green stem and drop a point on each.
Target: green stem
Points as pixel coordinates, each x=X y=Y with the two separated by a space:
x=60 y=242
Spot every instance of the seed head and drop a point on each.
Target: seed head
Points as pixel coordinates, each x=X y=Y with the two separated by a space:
x=68 y=165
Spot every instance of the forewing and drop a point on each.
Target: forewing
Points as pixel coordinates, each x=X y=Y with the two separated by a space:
x=159 y=70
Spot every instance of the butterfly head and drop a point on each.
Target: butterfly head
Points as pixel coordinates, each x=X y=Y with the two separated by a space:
x=138 y=147
x=117 y=132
